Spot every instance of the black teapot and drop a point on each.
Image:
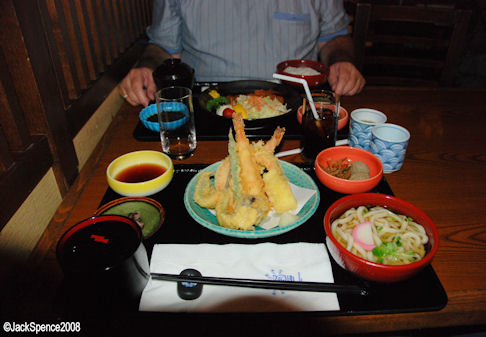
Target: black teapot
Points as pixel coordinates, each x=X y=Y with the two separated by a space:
x=172 y=72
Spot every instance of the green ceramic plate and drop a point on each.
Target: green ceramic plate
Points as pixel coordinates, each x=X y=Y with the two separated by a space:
x=151 y=212
x=295 y=175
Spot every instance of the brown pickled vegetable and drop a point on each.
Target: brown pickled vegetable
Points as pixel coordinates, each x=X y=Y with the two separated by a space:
x=345 y=169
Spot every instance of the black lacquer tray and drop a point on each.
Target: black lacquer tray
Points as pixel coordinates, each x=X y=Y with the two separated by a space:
x=424 y=292
x=210 y=128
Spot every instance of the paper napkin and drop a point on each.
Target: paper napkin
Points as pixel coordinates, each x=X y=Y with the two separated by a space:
x=267 y=261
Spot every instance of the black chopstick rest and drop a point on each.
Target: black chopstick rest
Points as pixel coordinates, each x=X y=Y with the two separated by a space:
x=189 y=290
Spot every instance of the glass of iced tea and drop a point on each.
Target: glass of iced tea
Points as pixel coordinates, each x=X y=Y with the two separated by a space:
x=319 y=134
x=176 y=119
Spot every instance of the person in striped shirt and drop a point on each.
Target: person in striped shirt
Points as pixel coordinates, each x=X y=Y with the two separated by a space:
x=226 y=40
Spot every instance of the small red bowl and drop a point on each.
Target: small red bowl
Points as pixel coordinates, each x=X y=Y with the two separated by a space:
x=371 y=270
x=343 y=115
x=312 y=80
x=352 y=154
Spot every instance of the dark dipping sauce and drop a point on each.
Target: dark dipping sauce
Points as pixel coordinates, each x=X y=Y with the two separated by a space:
x=140 y=173
x=168 y=116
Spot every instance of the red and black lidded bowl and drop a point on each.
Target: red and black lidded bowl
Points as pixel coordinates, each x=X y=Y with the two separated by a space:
x=173 y=72
x=104 y=262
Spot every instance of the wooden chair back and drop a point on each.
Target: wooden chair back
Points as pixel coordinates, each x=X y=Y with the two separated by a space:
x=409 y=45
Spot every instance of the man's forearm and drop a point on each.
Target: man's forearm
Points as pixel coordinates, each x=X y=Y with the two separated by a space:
x=339 y=49
x=152 y=57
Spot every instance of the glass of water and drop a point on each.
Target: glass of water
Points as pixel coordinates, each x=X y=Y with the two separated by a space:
x=176 y=119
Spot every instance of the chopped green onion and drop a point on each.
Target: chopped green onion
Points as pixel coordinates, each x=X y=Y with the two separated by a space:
x=385 y=249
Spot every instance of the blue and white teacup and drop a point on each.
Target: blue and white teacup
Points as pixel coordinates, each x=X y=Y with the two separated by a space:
x=389 y=143
x=361 y=122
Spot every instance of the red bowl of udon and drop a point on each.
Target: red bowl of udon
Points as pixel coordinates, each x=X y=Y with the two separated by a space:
x=372 y=270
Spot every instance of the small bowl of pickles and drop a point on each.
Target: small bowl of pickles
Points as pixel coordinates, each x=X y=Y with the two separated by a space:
x=330 y=166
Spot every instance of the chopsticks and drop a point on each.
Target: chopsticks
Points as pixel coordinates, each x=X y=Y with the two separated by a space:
x=265 y=284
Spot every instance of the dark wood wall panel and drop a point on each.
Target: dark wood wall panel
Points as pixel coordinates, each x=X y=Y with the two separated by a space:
x=74 y=40
x=103 y=31
x=6 y=160
x=52 y=34
x=86 y=36
x=58 y=61
x=85 y=40
x=128 y=20
x=94 y=34
x=118 y=24
x=24 y=156
x=139 y=17
x=132 y=15
x=30 y=64
x=14 y=65
x=107 y=22
x=12 y=123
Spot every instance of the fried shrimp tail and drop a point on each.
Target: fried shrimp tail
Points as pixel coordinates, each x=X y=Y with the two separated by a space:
x=273 y=142
x=276 y=184
x=251 y=181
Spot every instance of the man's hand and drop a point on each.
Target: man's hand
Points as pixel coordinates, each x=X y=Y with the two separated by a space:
x=345 y=79
x=138 y=86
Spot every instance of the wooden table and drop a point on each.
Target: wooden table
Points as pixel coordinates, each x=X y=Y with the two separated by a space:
x=444 y=174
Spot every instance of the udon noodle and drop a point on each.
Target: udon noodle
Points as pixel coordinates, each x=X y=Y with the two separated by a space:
x=397 y=238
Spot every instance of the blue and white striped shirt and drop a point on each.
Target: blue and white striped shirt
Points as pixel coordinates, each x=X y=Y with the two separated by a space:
x=226 y=40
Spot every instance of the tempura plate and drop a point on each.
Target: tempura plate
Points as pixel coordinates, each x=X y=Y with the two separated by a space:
x=204 y=217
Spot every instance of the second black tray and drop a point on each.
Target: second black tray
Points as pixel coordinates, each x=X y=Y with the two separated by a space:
x=210 y=128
